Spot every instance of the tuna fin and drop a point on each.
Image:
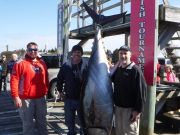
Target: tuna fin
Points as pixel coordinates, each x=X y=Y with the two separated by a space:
x=101 y=19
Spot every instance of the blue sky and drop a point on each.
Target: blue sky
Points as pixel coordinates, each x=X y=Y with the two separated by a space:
x=22 y=21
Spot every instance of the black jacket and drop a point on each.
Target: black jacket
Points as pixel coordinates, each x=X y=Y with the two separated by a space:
x=130 y=87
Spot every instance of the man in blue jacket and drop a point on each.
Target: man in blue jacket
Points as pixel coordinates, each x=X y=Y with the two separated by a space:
x=70 y=79
x=14 y=59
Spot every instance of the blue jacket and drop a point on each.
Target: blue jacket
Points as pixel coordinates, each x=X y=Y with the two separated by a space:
x=70 y=79
x=10 y=65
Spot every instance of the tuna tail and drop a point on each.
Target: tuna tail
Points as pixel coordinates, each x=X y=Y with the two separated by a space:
x=101 y=19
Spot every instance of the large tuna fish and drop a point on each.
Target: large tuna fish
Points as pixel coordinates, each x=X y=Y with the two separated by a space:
x=97 y=101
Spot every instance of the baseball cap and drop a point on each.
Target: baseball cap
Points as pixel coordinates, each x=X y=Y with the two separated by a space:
x=77 y=48
x=125 y=48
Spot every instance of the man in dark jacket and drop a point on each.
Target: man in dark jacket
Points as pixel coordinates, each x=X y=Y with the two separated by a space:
x=129 y=93
x=70 y=79
x=4 y=73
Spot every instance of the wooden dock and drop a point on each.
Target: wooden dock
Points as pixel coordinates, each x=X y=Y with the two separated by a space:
x=10 y=121
x=11 y=124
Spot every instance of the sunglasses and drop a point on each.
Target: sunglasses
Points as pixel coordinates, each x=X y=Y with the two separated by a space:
x=31 y=50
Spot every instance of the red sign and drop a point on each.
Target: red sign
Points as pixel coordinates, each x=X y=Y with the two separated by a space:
x=143 y=33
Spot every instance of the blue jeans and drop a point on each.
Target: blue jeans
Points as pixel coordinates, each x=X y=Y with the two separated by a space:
x=71 y=107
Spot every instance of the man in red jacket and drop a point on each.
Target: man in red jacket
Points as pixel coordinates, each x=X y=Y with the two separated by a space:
x=29 y=85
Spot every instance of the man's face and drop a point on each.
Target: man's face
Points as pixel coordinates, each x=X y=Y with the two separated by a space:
x=32 y=51
x=76 y=56
x=14 y=57
x=125 y=56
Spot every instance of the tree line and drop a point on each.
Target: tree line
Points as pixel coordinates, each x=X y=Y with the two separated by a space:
x=112 y=56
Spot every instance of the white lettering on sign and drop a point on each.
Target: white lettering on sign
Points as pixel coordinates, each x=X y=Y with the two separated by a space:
x=142 y=34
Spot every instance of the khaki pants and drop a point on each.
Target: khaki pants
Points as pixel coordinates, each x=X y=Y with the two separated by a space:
x=123 y=126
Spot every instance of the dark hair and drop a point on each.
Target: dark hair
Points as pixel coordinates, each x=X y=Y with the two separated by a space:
x=77 y=48
x=31 y=43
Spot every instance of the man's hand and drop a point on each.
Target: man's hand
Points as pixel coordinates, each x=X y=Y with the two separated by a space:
x=17 y=102
x=135 y=116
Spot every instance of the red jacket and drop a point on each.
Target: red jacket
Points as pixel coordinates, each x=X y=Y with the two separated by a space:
x=29 y=79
